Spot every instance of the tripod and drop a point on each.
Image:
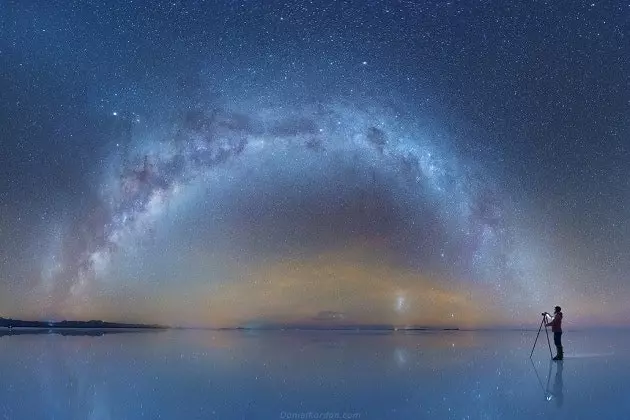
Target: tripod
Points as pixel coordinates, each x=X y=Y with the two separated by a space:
x=542 y=322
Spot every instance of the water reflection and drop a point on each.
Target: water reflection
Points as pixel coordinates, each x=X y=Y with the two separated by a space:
x=201 y=375
x=558 y=385
x=555 y=391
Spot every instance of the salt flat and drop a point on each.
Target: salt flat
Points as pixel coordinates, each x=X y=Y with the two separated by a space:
x=314 y=374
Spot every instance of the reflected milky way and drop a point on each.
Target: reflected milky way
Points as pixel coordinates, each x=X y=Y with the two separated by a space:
x=201 y=375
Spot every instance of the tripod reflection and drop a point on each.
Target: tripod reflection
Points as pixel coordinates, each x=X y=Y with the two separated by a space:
x=556 y=392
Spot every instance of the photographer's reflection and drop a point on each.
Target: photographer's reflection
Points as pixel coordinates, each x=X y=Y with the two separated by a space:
x=557 y=393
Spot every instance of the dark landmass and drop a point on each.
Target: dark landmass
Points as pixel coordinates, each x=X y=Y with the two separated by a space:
x=84 y=332
x=94 y=324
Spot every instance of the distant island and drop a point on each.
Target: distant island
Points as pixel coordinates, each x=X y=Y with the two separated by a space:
x=93 y=324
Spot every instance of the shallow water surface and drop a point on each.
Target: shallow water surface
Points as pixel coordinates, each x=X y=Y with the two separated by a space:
x=313 y=374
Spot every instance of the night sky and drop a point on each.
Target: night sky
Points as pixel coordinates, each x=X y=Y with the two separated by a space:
x=256 y=163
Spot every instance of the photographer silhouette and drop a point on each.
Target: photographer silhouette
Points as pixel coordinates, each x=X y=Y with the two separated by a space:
x=555 y=323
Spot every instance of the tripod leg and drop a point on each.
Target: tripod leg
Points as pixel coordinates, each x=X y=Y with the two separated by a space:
x=538 y=377
x=535 y=341
x=548 y=342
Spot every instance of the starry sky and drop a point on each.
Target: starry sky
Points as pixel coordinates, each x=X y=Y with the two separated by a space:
x=224 y=163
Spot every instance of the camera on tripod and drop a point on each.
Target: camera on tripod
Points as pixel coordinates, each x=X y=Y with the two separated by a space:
x=543 y=322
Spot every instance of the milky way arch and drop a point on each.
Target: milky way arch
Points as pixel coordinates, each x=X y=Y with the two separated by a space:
x=146 y=180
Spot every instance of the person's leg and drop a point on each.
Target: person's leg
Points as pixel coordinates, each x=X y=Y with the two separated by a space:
x=557 y=340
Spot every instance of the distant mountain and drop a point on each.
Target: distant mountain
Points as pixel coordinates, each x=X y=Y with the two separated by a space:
x=94 y=324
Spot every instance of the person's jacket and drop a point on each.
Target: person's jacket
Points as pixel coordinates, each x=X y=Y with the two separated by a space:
x=556 y=323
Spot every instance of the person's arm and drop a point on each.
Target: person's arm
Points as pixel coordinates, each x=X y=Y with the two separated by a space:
x=551 y=322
